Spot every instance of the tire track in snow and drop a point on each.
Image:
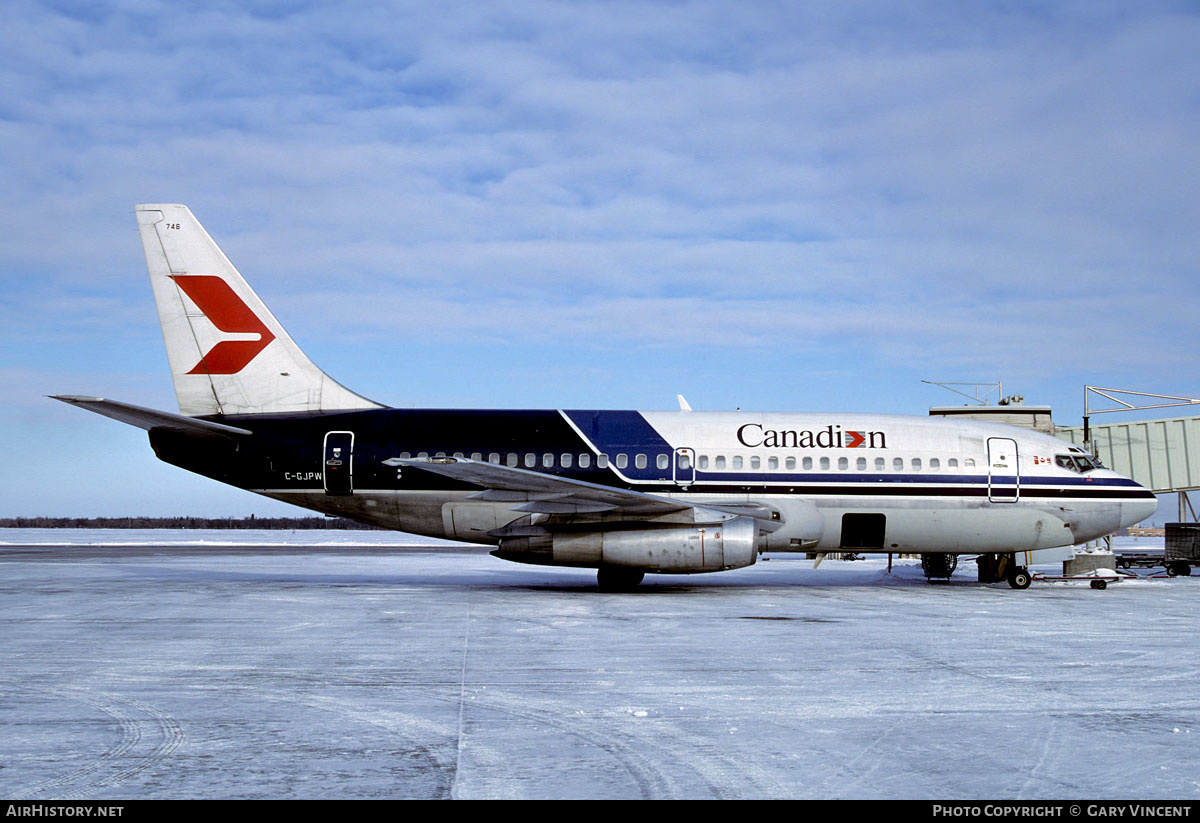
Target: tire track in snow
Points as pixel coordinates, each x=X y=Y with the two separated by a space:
x=145 y=737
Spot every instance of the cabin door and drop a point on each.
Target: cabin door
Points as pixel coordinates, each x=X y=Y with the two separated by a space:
x=338 y=466
x=1004 y=470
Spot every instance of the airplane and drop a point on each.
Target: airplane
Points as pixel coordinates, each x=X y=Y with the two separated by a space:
x=624 y=492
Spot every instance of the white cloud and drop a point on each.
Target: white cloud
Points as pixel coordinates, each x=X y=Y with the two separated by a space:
x=911 y=177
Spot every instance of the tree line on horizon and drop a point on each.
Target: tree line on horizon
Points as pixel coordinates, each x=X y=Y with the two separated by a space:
x=251 y=522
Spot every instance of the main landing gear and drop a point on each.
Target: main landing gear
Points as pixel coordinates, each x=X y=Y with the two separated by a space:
x=618 y=578
x=938 y=566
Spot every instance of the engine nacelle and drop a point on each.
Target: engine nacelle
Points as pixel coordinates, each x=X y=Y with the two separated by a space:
x=679 y=550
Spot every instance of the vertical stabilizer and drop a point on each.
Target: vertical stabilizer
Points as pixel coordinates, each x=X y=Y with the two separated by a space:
x=228 y=353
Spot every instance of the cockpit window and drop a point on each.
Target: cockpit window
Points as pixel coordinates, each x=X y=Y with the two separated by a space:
x=1078 y=463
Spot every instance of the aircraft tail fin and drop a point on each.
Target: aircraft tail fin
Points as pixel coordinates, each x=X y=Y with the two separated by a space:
x=228 y=354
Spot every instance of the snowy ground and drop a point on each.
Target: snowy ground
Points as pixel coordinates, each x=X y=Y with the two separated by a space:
x=164 y=664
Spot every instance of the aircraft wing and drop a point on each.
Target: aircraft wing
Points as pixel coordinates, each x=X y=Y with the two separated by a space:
x=532 y=491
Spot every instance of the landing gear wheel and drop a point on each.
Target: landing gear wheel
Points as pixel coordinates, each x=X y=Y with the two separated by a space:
x=938 y=565
x=616 y=579
x=1019 y=578
x=1099 y=584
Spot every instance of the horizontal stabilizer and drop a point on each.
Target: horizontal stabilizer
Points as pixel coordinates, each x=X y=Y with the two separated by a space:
x=144 y=418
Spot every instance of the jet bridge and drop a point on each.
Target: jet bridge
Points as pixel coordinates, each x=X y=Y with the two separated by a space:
x=1163 y=455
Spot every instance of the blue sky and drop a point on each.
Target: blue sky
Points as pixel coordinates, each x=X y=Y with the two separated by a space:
x=785 y=206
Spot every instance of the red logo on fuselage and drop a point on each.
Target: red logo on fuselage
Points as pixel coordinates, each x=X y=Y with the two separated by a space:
x=231 y=315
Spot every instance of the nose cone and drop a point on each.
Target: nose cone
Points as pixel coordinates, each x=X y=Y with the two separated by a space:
x=1135 y=511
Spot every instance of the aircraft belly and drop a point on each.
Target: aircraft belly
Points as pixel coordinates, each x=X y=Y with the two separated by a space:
x=922 y=526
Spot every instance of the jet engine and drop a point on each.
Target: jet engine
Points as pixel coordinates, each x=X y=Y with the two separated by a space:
x=675 y=550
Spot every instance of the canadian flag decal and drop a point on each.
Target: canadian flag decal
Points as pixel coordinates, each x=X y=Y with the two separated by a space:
x=231 y=315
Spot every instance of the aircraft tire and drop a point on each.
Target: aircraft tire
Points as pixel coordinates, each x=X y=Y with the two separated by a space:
x=617 y=579
x=938 y=565
x=1099 y=584
x=1019 y=578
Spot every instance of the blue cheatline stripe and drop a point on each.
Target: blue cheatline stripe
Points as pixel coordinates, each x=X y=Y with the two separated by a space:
x=901 y=490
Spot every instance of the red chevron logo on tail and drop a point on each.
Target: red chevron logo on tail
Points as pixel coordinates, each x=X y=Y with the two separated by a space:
x=230 y=314
x=855 y=440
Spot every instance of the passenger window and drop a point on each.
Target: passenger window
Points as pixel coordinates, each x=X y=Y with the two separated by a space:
x=439 y=456
x=685 y=461
x=880 y=464
x=898 y=464
x=916 y=464
x=952 y=463
x=824 y=464
x=934 y=464
x=494 y=457
x=547 y=461
x=622 y=460
x=640 y=461
x=423 y=455
x=720 y=461
x=511 y=459
x=969 y=463
x=737 y=461
x=843 y=464
x=602 y=461
x=476 y=456
x=755 y=463
x=663 y=462
x=808 y=464
x=585 y=461
x=458 y=455
x=565 y=461
x=530 y=460
x=789 y=463
x=773 y=463
x=405 y=455
x=861 y=464
x=704 y=461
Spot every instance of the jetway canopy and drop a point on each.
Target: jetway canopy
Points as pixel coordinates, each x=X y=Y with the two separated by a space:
x=1163 y=455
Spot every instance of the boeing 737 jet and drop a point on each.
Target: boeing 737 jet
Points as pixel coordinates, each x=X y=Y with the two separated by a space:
x=623 y=492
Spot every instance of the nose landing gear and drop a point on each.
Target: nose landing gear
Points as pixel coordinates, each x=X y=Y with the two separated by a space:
x=994 y=568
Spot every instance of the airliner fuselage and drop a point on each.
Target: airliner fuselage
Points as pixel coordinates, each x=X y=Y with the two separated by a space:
x=875 y=482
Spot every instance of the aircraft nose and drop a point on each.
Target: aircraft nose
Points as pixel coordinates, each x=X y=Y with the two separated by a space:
x=1136 y=511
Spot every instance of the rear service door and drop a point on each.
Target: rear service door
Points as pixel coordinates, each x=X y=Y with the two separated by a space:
x=338 y=465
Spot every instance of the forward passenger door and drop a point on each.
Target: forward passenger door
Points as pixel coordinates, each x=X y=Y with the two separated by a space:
x=1004 y=470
